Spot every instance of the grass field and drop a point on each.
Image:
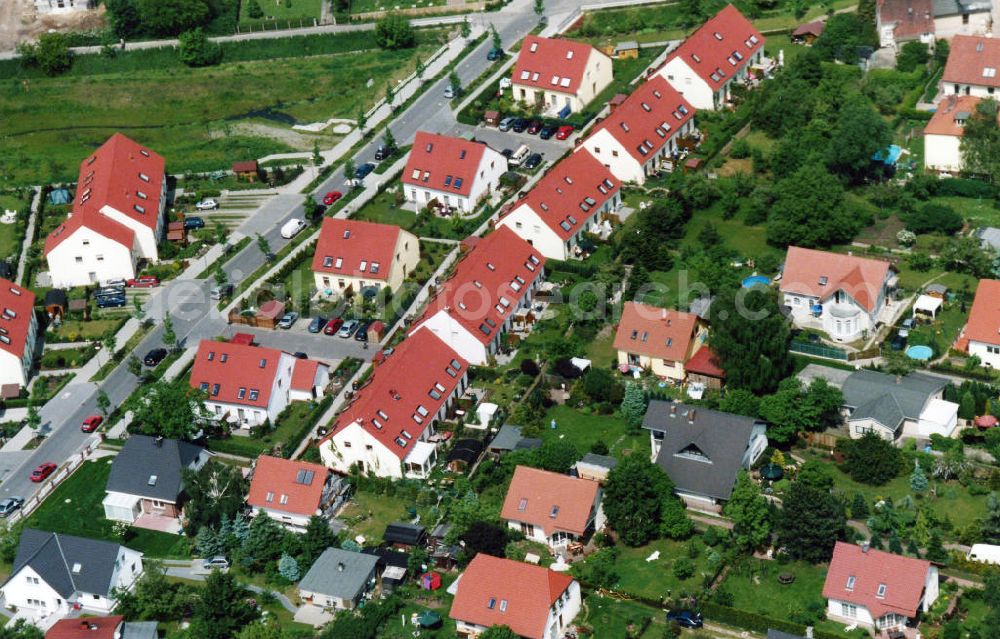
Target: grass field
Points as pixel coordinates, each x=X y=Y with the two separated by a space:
x=9 y=245
x=583 y=430
x=368 y=514
x=75 y=509
x=611 y=618
x=655 y=579
x=283 y=9
x=288 y=426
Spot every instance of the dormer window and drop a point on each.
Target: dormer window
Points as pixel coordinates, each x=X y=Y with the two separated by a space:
x=144 y=177
x=327 y=261
x=850 y=583
x=823 y=280
x=554 y=512
x=254 y=393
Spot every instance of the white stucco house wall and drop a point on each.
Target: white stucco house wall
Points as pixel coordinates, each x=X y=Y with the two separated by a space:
x=552 y=508
x=351 y=254
x=943 y=133
x=453 y=171
x=18 y=333
x=558 y=74
x=981 y=334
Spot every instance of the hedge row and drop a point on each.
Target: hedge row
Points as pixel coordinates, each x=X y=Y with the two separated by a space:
x=586 y=269
x=757 y=623
x=293 y=442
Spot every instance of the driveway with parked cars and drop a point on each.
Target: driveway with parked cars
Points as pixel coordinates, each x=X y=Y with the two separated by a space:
x=326 y=348
x=550 y=149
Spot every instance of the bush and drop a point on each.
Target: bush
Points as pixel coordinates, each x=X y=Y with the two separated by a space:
x=871 y=459
x=393 y=31
x=529 y=367
x=958 y=187
x=195 y=49
x=565 y=368
x=934 y=218
x=51 y=53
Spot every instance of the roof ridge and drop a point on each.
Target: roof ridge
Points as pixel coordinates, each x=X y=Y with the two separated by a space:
x=65 y=562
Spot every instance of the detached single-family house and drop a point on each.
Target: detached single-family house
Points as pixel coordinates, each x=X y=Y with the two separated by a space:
x=643 y=133
x=702 y=450
x=658 y=340
x=843 y=295
x=477 y=305
x=562 y=76
x=54 y=574
x=721 y=52
x=246 y=385
x=878 y=589
x=117 y=217
x=18 y=334
x=900 y=21
x=146 y=485
x=943 y=133
x=351 y=255
x=971 y=68
x=898 y=406
x=571 y=200
x=454 y=172
x=339 y=579
x=108 y=627
x=534 y=602
x=964 y=17
x=552 y=508
x=385 y=430
x=289 y=491
x=981 y=334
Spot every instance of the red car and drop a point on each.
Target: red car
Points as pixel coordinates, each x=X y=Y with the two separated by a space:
x=146 y=281
x=43 y=471
x=332 y=197
x=91 y=423
x=534 y=127
x=564 y=132
x=333 y=326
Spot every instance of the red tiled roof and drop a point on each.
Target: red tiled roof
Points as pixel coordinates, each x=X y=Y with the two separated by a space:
x=118 y=174
x=708 y=50
x=984 y=318
x=248 y=166
x=807 y=269
x=647 y=119
x=910 y=17
x=85 y=628
x=443 y=163
x=973 y=60
x=521 y=595
x=17 y=304
x=272 y=309
x=570 y=193
x=304 y=374
x=226 y=371
x=705 y=362
x=413 y=383
x=814 y=28
x=357 y=249
x=943 y=122
x=903 y=578
x=298 y=484
x=534 y=495
x=484 y=279
x=553 y=64
x=657 y=332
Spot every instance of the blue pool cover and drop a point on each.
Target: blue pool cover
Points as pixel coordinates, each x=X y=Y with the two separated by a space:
x=919 y=352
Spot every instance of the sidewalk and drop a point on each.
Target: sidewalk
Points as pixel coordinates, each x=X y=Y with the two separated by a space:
x=36 y=200
x=88 y=370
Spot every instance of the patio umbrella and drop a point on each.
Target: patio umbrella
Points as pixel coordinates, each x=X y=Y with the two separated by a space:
x=429 y=619
x=772 y=472
x=986 y=421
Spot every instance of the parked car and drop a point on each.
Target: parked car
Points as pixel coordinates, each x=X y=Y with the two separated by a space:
x=154 y=357
x=44 y=470
x=110 y=301
x=208 y=204
x=221 y=291
x=145 y=281
x=317 y=324
x=332 y=197
x=333 y=326
x=548 y=131
x=348 y=328
x=217 y=562
x=91 y=423
x=363 y=170
x=193 y=222
x=288 y=319
x=564 y=132
x=507 y=153
x=906 y=327
x=533 y=160
x=292 y=228
x=494 y=54
x=449 y=92
x=685 y=618
x=300 y=355
x=519 y=125
x=898 y=342
x=110 y=291
x=506 y=123
x=534 y=127
x=118 y=284
x=383 y=152
x=9 y=505
x=362 y=333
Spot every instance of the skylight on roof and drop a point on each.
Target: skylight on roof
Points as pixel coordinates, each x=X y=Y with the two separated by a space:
x=77 y=567
x=569 y=54
x=564 y=82
x=525 y=75
x=880 y=593
x=304 y=477
x=534 y=47
x=850 y=582
x=718 y=36
x=152 y=480
x=554 y=512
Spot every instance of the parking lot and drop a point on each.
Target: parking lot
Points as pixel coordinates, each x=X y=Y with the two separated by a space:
x=326 y=348
x=550 y=149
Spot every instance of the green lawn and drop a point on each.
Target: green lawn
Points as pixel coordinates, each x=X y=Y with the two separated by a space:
x=583 y=430
x=282 y=9
x=74 y=508
x=66 y=358
x=368 y=514
x=655 y=579
x=9 y=244
x=976 y=211
x=941 y=333
x=288 y=426
x=611 y=618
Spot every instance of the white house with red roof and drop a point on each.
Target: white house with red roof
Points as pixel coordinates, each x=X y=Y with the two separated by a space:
x=981 y=334
x=493 y=282
x=658 y=340
x=642 y=133
x=943 y=133
x=721 y=52
x=878 y=589
x=842 y=295
x=533 y=601
x=18 y=335
x=386 y=430
x=288 y=491
x=972 y=65
x=117 y=216
x=351 y=255
x=454 y=172
x=569 y=201
x=551 y=508
x=246 y=385
x=557 y=73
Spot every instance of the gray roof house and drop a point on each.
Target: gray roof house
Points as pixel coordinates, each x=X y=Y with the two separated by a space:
x=509 y=438
x=989 y=237
x=338 y=579
x=702 y=450
x=893 y=406
x=147 y=479
x=52 y=572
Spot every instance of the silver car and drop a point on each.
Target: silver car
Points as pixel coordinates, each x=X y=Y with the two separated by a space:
x=506 y=123
x=9 y=505
x=288 y=319
x=217 y=562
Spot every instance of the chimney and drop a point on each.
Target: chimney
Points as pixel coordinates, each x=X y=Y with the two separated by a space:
x=691 y=414
x=84 y=624
x=340 y=566
x=158 y=442
x=865 y=546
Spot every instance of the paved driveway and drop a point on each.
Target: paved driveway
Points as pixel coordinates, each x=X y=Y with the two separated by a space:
x=550 y=149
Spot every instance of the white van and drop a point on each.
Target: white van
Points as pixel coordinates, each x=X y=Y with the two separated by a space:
x=519 y=155
x=985 y=553
x=292 y=228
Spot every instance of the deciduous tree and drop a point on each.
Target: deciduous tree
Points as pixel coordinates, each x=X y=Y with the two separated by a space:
x=170 y=17
x=168 y=409
x=194 y=49
x=214 y=491
x=634 y=497
x=810 y=210
x=50 y=53
x=871 y=459
x=980 y=143
x=393 y=31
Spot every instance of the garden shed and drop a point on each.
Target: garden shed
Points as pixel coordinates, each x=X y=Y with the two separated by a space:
x=927 y=305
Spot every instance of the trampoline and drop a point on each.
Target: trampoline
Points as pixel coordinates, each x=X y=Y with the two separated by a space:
x=919 y=352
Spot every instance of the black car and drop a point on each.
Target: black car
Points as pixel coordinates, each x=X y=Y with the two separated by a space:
x=363 y=170
x=154 y=356
x=193 y=222
x=548 y=131
x=898 y=343
x=685 y=618
x=362 y=334
x=520 y=124
x=507 y=153
x=532 y=161
x=383 y=152
x=494 y=54
x=300 y=355
x=534 y=127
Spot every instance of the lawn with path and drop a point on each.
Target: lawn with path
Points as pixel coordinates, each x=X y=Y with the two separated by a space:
x=10 y=243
